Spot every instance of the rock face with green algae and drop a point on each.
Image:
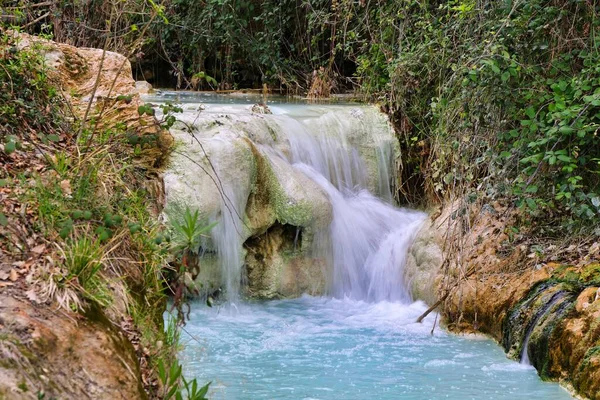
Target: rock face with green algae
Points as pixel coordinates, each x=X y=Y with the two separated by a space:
x=238 y=163
x=266 y=191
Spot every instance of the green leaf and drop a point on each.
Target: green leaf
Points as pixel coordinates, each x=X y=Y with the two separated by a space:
x=133 y=139
x=10 y=147
x=204 y=390
x=531 y=189
x=566 y=130
x=53 y=138
x=77 y=214
x=3 y=219
x=125 y=98
x=134 y=227
x=505 y=76
x=162 y=374
x=563 y=158
x=103 y=233
x=172 y=392
x=66 y=229
x=530 y=112
x=174 y=373
x=531 y=204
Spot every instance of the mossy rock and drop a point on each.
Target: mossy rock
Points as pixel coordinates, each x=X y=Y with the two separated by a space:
x=590 y=274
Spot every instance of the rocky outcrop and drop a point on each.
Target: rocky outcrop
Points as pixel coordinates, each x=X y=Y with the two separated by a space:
x=233 y=165
x=505 y=288
x=85 y=72
x=423 y=263
x=218 y=169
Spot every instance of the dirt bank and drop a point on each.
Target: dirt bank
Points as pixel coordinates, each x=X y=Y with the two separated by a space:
x=54 y=342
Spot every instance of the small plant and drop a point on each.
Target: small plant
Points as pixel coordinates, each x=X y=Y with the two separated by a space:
x=175 y=386
x=187 y=229
x=83 y=262
x=198 y=77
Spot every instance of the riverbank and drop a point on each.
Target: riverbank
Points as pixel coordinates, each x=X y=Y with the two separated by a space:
x=81 y=287
x=497 y=281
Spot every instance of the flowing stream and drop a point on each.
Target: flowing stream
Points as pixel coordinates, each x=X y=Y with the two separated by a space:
x=361 y=340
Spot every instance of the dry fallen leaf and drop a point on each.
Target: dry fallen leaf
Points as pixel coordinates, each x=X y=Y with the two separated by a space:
x=3 y=275
x=32 y=296
x=39 y=249
x=13 y=275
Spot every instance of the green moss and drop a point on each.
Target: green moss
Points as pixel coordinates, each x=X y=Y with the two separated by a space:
x=591 y=353
x=541 y=338
x=269 y=189
x=591 y=274
x=23 y=386
x=574 y=278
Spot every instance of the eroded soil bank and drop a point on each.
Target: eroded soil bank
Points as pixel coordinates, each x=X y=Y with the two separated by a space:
x=49 y=346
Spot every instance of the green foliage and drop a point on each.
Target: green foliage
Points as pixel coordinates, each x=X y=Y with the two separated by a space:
x=26 y=94
x=187 y=228
x=199 y=76
x=499 y=96
x=83 y=261
x=174 y=384
x=245 y=42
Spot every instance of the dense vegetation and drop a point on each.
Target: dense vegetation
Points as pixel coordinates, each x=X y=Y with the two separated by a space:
x=490 y=98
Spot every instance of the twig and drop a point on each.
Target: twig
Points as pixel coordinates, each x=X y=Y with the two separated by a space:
x=445 y=296
x=35 y=21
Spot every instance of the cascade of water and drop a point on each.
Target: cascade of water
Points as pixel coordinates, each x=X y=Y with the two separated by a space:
x=370 y=242
x=540 y=315
x=368 y=237
x=349 y=154
x=329 y=154
x=226 y=236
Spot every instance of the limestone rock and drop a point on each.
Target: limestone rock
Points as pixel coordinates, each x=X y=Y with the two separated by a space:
x=423 y=262
x=143 y=87
x=218 y=169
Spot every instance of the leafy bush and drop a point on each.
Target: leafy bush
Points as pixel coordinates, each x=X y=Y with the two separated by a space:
x=497 y=96
x=26 y=94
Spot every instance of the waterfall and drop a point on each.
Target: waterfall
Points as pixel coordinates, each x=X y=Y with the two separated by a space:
x=348 y=154
x=546 y=308
x=370 y=241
